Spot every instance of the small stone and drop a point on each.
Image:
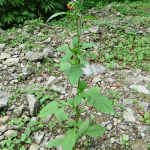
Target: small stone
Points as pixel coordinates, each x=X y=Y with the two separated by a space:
x=113 y=140
x=95 y=29
x=8 y=133
x=5 y=118
x=2 y=47
x=51 y=80
x=96 y=79
x=109 y=126
x=34 y=146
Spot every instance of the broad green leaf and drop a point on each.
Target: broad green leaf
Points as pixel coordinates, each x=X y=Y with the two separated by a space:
x=61 y=115
x=44 y=98
x=86 y=96
x=55 y=15
x=28 y=141
x=95 y=130
x=74 y=74
x=49 y=109
x=102 y=103
x=56 y=142
x=84 y=62
x=82 y=86
x=93 y=91
x=69 y=140
x=77 y=99
x=62 y=48
x=83 y=127
x=91 y=17
x=71 y=102
x=65 y=66
x=79 y=56
x=75 y=41
x=66 y=57
x=27 y=132
x=88 y=45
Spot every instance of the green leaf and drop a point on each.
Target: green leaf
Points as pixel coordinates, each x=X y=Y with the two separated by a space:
x=66 y=57
x=62 y=48
x=84 y=62
x=95 y=130
x=77 y=99
x=56 y=142
x=82 y=86
x=69 y=140
x=44 y=98
x=71 y=102
x=100 y=102
x=88 y=45
x=74 y=74
x=83 y=127
x=75 y=41
x=91 y=17
x=49 y=109
x=28 y=141
x=65 y=66
x=61 y=115
x=55 y=15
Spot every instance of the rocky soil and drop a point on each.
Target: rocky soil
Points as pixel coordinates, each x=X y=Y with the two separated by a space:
x=25 y=78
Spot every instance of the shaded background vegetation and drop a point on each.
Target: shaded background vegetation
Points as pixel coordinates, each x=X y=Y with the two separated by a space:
x=16 y=12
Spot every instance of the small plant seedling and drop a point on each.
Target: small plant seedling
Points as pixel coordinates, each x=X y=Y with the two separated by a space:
x=145 y=118
x=19 y=76
x=124 y=141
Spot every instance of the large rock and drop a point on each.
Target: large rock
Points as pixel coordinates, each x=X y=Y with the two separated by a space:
x=34 y=146
x=48 y=52
x=95 y=29
x=138 y=145
x=33 y=56
x=140 y=89
x=2 y=47
x=128 y=116
x=93 y=70
x=38 y=137
x=8 y=133
x=33 y=104
x=5 y=55
x=11 y=61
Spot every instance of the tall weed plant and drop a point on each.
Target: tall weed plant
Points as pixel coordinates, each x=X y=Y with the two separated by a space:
x=71 y=64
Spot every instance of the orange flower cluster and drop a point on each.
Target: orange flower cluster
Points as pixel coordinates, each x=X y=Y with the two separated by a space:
x=70 y=7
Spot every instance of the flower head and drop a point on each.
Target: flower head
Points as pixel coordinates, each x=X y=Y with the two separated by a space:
x=70 y=6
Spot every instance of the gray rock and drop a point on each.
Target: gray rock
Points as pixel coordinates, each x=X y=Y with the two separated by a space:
x=93 y=70
x=60 y=89
x=143 y=129
x=39 y=79
x=40 y=34
x=38 y=137
x=109 y=126
x=11 y=61
x=113 y=140
x=138 y=145
x=95 y=29
x=47 y=41
x=27 y=70
x=117 y=22
x=2 y=47
x=48 y=52
x=145 y=104
x=19 y=110
x=44 y=141
x=33 y=104
x=128 y=116
x=96 y=79
x=34 y=146
x=33 y=56
x=3 y=128
x=8 y=133
x=5 y=55
x=127 y=102
x=21 y=46
x=51 y=80
x=140 y=89
x=3 y=102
